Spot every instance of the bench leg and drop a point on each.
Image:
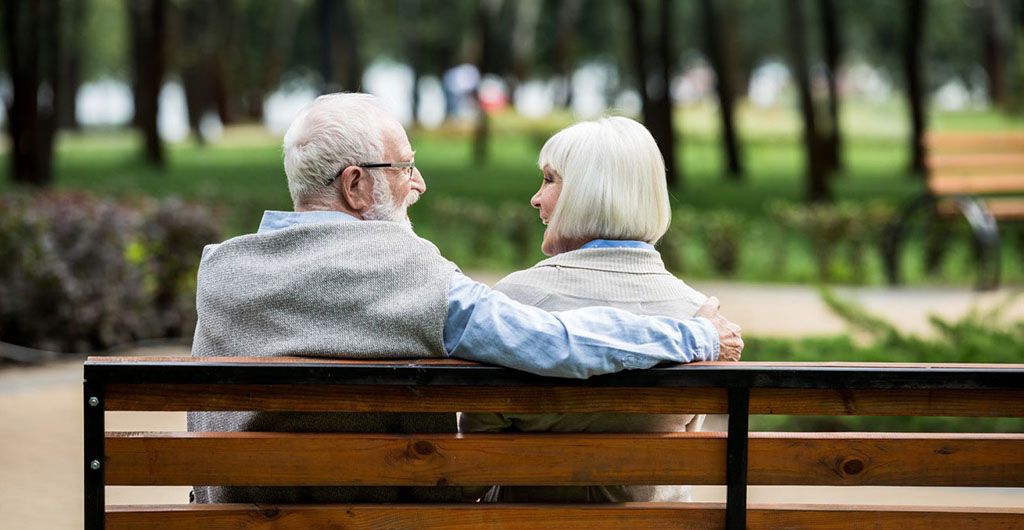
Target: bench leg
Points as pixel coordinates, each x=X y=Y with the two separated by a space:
x=94 y=461
x=894 y=234
x=736 y=459
x=986 y=241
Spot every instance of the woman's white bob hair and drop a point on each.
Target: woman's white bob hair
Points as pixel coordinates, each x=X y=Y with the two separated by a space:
x=613 y=182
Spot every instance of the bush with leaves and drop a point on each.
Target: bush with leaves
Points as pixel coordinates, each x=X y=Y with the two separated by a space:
x=831 y=227
x=723 y=236
x=978 y=337
x=83 y=273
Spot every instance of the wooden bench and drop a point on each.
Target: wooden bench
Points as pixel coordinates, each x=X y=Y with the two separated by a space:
x=736 y=459
x=979 y=176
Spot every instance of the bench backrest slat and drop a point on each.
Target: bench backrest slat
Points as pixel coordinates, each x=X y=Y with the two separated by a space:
x=832 y=459
x=976 y=142
x=947 y=184
x=687 y=400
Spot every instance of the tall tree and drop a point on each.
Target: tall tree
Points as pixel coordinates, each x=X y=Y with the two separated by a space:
x=720 y=42
x=522 y=41
x=569 y=12
x=996 y=33
x=817 y=188
x=653 y=80
x=913 y=73
x=487 y=11
x=434 y=32
x=833 y=50
x=69 y=70
x=32 y=44
x=340 y=64
x=267 y=39
x=148 y=26
x=409 y=13
x=197 y=49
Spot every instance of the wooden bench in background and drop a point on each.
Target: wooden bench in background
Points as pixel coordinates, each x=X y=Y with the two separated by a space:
x=735 y=459
x=976 y=175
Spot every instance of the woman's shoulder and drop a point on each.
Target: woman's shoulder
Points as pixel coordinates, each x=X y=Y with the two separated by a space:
x=528 y=286
x=597 y=277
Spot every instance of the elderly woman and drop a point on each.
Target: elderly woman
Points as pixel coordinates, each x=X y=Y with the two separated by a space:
x=605 y=203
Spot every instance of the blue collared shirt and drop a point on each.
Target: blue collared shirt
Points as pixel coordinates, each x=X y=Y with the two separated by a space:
x=617 y=243
x=487 y=326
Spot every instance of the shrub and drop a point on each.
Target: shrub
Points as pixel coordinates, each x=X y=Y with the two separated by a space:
x=84 y=274
x=174 y=233
x=829 y=228
x=977 y=337
x=673 y=244
x=723 y=236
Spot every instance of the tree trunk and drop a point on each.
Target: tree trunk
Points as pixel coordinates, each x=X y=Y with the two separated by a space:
x=196 y=46
x=409 y=12
x=996 y=34
x=568 y=19
x=325 y=26
x=486 y=11
x=721 y=49
x=225 y=21
x=353 y=66
x=70 y=71
x=148 y=28
x=833 y=51
x=523 y=40
x=817 y=182
x=913 y=72
x=653 y=84
x=32 y=45
x=340 y=66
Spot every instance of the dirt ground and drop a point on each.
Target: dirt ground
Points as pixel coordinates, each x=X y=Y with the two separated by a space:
x=41 y=470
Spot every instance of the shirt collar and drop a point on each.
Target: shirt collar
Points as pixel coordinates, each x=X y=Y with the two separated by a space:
x=276 y=220
x=616 y=243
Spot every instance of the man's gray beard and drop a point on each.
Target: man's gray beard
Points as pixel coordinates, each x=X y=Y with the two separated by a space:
x=384 y=206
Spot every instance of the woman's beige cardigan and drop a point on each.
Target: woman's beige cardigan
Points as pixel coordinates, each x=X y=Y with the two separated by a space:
x=632 y=279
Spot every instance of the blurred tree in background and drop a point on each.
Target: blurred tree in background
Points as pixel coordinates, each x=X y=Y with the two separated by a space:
x=230 y=56
x=796 y=123
x=32 y=43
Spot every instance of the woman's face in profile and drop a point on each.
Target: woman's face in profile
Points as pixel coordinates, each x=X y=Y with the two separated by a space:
x=545 y=200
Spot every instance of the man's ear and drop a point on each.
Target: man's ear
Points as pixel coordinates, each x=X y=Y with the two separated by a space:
x=356 y=188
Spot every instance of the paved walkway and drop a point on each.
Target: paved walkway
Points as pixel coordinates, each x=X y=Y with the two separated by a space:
x=41 y=417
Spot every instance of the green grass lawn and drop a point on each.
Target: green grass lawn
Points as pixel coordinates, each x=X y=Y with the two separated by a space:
x=242 y=172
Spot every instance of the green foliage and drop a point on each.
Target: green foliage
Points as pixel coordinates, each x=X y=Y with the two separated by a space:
x=723 y=231
x=82 y=273
x=846 y=226
x=979 y=337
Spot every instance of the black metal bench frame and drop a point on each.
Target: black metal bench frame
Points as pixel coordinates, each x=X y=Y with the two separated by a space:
x=738 y=378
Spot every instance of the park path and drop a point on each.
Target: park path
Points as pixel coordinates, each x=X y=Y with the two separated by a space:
x=41 y=471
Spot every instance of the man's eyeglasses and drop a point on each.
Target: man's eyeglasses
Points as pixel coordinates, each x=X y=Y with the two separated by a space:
x=410 y=165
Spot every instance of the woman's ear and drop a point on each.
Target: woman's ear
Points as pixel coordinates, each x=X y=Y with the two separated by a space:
x=356 y=188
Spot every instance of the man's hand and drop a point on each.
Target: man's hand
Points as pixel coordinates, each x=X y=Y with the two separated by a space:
x=730 y=343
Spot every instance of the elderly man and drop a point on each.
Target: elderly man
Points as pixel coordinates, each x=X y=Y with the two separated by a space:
x=345 y=276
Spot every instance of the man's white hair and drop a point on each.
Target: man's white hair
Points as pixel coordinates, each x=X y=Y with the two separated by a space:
x=613 y=182
x=333 y=132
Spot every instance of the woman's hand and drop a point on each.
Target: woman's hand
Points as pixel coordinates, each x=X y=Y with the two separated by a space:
x=730 y=341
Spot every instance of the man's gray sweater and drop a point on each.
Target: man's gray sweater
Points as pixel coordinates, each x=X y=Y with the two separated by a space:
x=355 y=290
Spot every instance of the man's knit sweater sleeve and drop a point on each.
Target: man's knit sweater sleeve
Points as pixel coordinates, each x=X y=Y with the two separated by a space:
x=487 y=326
